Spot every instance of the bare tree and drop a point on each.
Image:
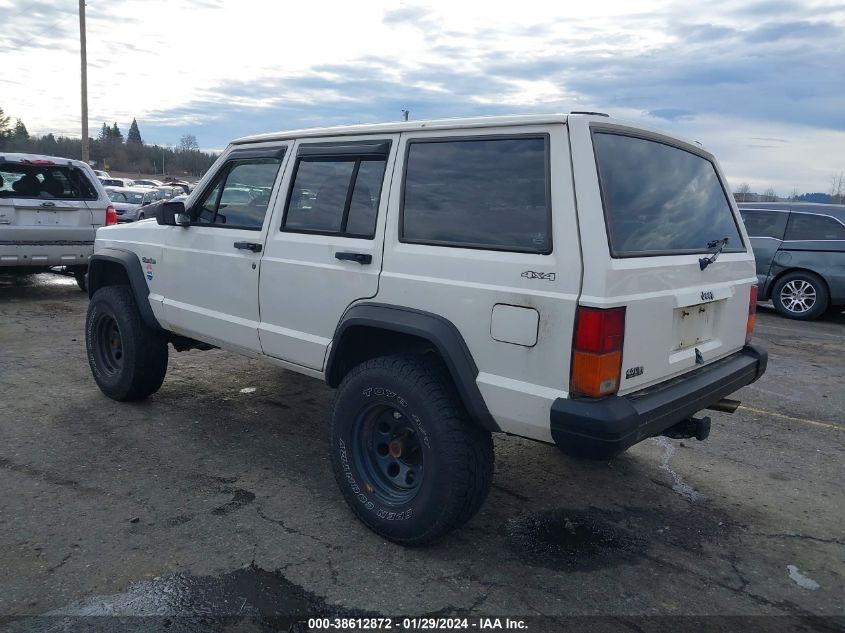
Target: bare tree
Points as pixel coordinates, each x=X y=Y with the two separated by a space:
x=795 y=195
x=837 y=188
x=769 y=195
x=742 y=193
x=188 y=143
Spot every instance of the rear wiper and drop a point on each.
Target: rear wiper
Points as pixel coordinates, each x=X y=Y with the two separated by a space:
x=704 y=262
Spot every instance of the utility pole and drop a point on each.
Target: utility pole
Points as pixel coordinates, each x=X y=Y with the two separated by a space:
x=406 y=114
x=84 y=59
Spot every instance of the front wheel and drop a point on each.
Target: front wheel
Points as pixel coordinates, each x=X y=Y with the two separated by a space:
x=408 y=460
x=127 y=357
x=800 y=295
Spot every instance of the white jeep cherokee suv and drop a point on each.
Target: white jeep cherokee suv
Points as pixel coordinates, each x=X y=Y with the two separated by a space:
x=568 y=278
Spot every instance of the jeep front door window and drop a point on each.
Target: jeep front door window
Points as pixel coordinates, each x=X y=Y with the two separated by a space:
x=242 y=203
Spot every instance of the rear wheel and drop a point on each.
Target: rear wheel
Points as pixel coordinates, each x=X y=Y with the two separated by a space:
x=800 y=295
x=127 y=357
x=409 y=462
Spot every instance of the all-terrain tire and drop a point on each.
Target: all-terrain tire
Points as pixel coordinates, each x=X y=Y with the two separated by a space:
x=127 y=357
x=404 y=408
x=800 y=295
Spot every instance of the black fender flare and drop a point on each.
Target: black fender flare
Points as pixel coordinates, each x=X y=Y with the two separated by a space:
x=130 y=263
x=438 y=331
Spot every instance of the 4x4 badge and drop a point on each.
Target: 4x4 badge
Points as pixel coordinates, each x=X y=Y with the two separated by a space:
x=530 y=274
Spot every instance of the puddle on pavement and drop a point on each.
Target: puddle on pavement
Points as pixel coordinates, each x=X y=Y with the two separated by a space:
x=571 y=540
x=584 y=540
x=247 y=599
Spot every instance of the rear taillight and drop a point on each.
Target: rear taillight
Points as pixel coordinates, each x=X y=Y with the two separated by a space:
x=111 y=215
x=597 y=351
x=752 y=314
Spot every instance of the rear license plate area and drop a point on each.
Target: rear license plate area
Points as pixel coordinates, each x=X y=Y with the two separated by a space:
x=693 y=325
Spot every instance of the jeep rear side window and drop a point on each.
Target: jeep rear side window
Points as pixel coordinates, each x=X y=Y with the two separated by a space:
x=809 y=227
x=243 y=199
x=488 y=193
x=335 y=195
x=660 y=199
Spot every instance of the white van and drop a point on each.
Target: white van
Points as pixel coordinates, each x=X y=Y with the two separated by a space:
x=50 y=209
x=566 y=278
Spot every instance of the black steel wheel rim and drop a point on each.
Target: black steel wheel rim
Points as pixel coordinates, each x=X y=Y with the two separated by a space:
x=108 y=344
x=389 y=454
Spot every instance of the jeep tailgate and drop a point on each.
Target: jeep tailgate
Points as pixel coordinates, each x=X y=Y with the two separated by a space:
x=658 y=207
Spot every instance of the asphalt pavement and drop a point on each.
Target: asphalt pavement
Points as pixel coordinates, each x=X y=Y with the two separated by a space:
x=214 y=498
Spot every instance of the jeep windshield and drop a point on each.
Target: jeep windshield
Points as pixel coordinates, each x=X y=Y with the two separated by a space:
x=660 y=199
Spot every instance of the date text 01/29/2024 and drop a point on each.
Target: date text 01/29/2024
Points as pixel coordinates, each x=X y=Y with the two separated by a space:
x=416 y=624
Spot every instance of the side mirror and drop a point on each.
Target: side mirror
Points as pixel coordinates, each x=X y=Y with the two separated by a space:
x=172 y=214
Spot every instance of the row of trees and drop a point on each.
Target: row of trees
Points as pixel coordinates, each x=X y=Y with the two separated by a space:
x=110 y=151
x=834 y=195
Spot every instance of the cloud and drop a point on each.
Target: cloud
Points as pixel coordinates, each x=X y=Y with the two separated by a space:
x=671 y=114
x=770 y=65
x=406 y=15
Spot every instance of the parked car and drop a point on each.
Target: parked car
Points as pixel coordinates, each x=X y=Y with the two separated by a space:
x=128 y=202
x=99 y=173
x=148 y=183
x=184 y=186
x=149 y=210
x=50 y=209
x=166 y=193
x=800 y=253
x=441 y=275
x=117 y=182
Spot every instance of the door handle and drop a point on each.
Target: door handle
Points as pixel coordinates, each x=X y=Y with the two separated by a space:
x=249 y=246
x=48 y=204
x=361 y=258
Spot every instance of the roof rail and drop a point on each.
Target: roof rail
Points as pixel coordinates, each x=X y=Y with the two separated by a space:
x=592 y=113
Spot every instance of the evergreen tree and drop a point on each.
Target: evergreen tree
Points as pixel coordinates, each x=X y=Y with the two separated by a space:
x=105 y=133
x=116 y=134
x=20 y=132
x=18 y=139
x=134 y=135
x=4 y=128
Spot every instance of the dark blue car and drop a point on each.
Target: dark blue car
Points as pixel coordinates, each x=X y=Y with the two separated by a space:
x=800 y=253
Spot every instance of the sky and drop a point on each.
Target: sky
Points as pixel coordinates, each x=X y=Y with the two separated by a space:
x=759 y=83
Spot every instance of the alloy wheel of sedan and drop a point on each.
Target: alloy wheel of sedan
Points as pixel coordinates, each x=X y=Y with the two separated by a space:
x=798 y=296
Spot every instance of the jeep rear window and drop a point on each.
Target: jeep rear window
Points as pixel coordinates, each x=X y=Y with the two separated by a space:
x=660 y=199
x=49 y=182
x=478 y=193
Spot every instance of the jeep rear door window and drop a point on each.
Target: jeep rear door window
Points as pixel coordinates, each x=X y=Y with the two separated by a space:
x=660 y=199
x=242 y=200
x=762 y=223
x=335 y=194
x=808 y=227
x=478 y=193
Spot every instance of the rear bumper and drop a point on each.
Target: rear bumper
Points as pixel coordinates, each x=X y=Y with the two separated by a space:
x=599 y=429
x=42 y=253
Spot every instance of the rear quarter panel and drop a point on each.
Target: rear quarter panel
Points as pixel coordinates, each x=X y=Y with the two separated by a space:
x=825 y=258
x=463 y=285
